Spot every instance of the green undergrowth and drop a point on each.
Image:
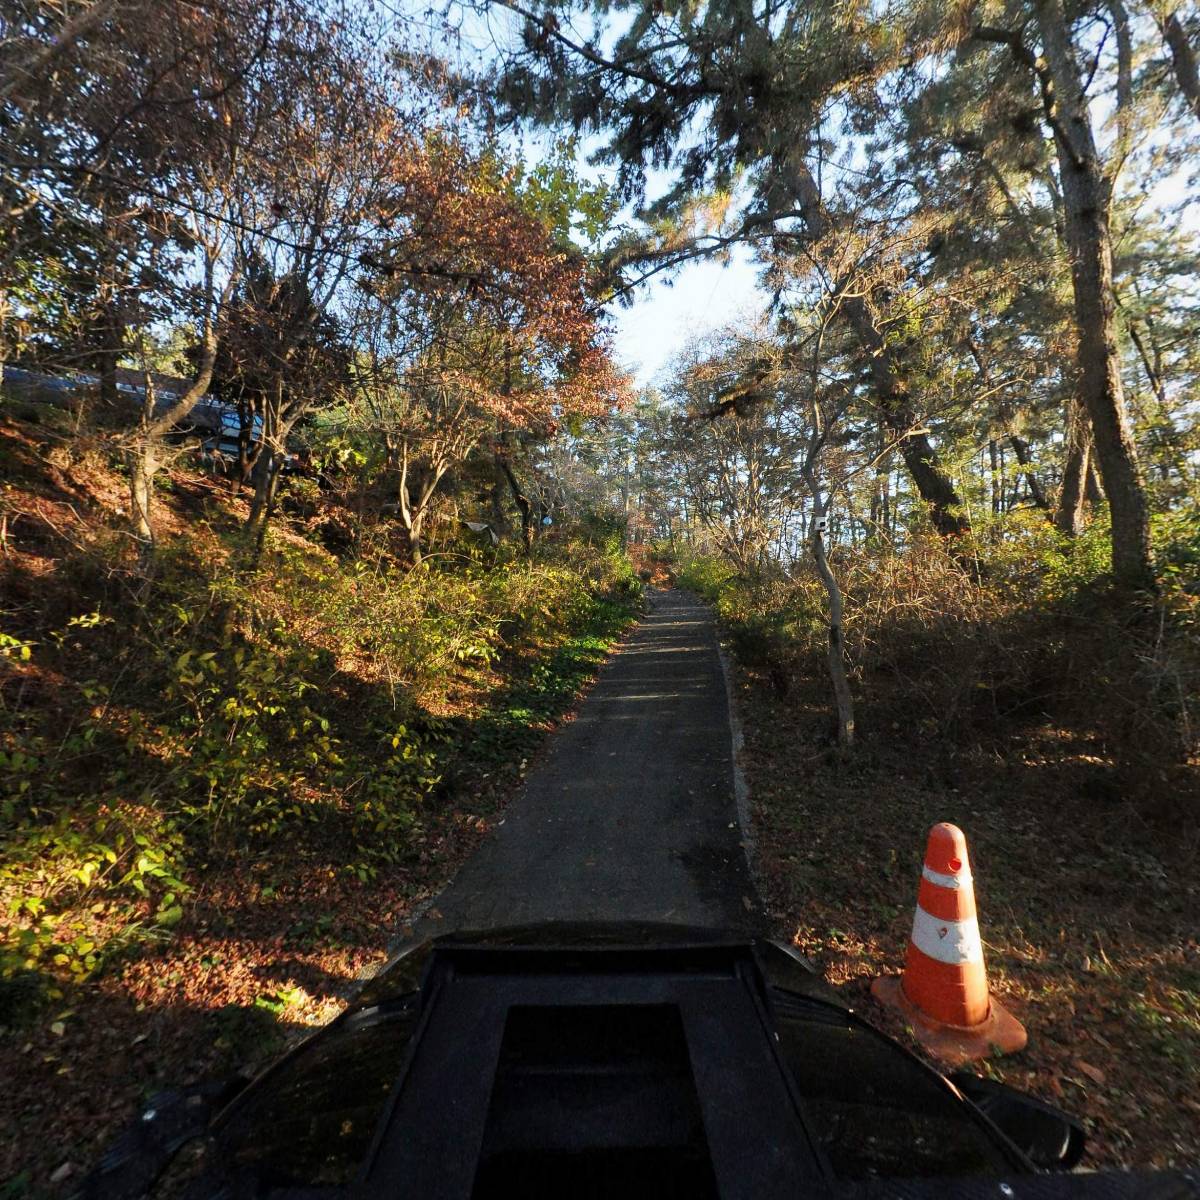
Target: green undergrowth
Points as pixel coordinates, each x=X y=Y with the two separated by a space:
x=513 y=725
x=157 y=724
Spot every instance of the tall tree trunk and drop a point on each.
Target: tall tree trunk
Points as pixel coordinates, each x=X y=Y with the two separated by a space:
x=147 y=440
x=108 y=330
x=143 y=459
x=523 y=503
x=842 y=696
x=416 y=485
x=277 y=425
x=249 y=447
x=1086 y=192
x=879 y=487
x=892 y=395
x=108 y=324
x=1069 y=515
x=264 y=476
x=1183 y=60
x=887 y=506
x=499 y=518
x=946 y=509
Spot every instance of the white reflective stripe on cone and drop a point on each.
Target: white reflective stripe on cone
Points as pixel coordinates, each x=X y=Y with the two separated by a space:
x=954 y=882
x=947 y=941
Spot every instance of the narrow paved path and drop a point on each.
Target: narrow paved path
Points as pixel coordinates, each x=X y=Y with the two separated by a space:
x=631 y=813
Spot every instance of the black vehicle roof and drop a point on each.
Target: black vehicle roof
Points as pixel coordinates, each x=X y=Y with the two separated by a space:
x=618 y=1061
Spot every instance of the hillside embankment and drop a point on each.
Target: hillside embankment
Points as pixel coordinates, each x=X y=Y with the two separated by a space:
x=225 y=784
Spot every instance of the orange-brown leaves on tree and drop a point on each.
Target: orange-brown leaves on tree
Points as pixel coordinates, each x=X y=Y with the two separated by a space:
x=509 y=317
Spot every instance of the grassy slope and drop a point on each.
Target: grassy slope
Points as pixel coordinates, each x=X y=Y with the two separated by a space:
x=275 y=929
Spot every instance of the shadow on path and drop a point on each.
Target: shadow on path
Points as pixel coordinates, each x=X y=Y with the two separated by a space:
x=630 y=816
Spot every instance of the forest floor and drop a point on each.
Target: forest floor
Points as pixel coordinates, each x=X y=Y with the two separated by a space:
x=1090 y=915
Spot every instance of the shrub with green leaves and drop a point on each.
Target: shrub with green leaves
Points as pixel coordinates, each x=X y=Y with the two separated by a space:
x=215 y=712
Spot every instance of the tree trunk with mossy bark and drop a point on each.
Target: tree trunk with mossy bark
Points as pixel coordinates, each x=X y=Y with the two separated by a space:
x=1086 y=196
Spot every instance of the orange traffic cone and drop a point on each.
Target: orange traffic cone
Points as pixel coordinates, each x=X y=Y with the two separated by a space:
x=944 y=990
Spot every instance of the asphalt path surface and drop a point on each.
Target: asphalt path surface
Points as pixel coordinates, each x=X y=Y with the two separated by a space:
x=631 y=813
